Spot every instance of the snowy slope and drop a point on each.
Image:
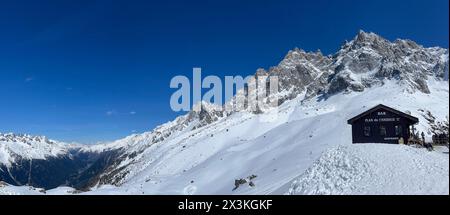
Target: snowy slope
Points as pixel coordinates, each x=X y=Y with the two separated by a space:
x=6 y=189
x=277 y=150
x=376 y=169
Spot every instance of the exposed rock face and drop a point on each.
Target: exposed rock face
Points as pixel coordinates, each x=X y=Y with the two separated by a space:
x=206 y=113
x=10 y=137
x=403 y=60
x=365 y=61
x=300 y=71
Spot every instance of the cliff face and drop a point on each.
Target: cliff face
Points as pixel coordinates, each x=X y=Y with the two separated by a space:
x=366 y=61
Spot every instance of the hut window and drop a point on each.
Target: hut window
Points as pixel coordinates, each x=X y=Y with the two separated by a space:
x=382 y=131
x=367 y=131
x=398 y=130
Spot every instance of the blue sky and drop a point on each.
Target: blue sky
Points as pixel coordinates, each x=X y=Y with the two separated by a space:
x=91 y=71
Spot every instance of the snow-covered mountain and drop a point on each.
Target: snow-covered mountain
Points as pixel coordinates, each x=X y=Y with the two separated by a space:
x=368 y=60
x=207 y=150
x=38 y=161
x=14 y=146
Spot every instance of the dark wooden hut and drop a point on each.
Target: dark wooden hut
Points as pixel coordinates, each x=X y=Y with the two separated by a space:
x=382 y=124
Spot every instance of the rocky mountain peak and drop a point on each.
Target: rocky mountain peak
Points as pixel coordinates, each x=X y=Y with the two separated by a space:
x=24 y=138
x=370 y=39
x=206 y=112
x=407 y=44
x=361 y=63
x=261 y=72
x=297 y=56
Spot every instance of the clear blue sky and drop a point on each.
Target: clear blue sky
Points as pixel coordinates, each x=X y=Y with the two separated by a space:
x=90 y=71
